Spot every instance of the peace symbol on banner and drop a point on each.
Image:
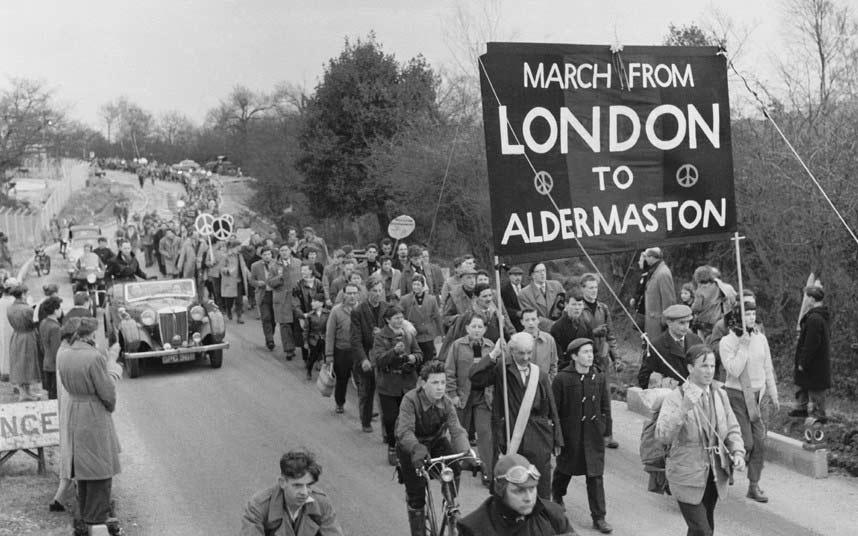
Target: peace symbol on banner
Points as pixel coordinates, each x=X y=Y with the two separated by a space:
x=219 y=228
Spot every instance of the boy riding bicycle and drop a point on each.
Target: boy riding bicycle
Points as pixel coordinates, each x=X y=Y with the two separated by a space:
x=426 y=415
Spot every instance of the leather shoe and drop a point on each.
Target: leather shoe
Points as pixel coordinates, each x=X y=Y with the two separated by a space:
x=392 y=458
x=755 y=493
x=610 y=443
x=340 y=409
x=602 y=526
x=367 y=429
x=56 y=506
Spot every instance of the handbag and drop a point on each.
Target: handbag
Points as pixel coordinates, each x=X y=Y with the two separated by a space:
x=325 y=382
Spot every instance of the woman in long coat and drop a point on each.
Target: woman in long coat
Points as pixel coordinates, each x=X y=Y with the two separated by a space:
x=24 y=346
x=584 y=412
x=6 y=300
x=233 y=280
x=92 y=452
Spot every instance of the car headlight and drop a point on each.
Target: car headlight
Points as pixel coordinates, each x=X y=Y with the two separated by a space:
x=91 y=278
x=197 y=313
x=197 y=338
x=148 y=317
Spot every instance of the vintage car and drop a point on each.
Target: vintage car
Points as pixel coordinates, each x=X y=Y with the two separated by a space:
x=164 y=320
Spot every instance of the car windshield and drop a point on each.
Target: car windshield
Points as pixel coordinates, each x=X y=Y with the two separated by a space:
x=182 y=288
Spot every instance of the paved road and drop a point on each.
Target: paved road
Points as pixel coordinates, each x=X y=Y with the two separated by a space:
x=198 y=442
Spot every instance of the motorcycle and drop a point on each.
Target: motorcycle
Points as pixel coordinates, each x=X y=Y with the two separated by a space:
x=93 y=285
x=41 y=261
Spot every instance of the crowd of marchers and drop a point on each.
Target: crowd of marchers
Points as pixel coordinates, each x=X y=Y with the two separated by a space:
x=444 y=365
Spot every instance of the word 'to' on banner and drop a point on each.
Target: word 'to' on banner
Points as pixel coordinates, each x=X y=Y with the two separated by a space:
x=621 y=150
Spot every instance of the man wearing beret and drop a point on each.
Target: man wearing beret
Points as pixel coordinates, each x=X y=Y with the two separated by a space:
x=671 y=345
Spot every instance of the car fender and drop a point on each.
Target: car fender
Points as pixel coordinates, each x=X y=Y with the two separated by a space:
x=216 y=325
x=133 y=334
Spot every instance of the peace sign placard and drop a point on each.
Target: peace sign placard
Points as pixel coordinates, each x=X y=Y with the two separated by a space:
x=204 y=224
x=219 y=228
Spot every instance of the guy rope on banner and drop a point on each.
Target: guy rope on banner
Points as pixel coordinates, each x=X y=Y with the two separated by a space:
x=764 y=109
x=547 y=192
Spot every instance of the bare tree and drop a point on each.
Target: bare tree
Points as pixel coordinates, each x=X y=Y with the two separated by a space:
x=110 y=113
x=240 y=107
x=27 y=113
x=821 y=53
x=174 y=127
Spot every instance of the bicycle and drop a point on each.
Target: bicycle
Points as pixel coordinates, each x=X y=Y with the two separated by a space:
x=440 y=468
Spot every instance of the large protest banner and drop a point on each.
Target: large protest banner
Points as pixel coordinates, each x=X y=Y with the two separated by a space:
x=633 y=147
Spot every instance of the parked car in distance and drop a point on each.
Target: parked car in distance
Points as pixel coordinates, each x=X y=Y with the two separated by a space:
x=164 y=320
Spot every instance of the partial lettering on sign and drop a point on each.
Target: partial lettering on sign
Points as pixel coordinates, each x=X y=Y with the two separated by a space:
x=617 y=151
x=27 y=425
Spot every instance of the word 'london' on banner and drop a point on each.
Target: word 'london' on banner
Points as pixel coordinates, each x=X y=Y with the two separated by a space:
x=633 y=147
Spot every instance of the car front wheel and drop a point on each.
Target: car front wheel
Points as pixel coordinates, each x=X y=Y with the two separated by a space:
x=216 y=358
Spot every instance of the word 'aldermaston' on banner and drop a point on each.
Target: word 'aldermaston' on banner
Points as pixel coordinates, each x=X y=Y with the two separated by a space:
x=617 y=151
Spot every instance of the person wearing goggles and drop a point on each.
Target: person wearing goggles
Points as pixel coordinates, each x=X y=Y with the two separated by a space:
x=514 y=507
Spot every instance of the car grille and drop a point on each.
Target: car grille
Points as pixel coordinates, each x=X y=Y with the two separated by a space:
x=172 y=324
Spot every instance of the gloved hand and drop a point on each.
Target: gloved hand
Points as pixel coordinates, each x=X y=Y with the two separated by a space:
x=419 y=454
x=600 y=331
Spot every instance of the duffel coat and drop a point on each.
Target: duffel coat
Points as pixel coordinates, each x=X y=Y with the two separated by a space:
x=92 y=451
x=584 y=412
x=394 y=376
x=426 y=317
x=24 y=346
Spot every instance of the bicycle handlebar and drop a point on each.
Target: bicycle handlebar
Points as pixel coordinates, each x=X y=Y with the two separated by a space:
x=452 y=458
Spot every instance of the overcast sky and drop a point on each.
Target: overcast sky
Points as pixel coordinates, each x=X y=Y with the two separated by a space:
x=187 y=54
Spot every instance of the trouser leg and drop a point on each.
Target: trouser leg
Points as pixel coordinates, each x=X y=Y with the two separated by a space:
x=483 y=424
x=816 y=408
x=266 y=313
x=94 y=500
x=428 y=349
x=342 y=370
x=542 y=462
x=700 y=517
x=596 y=497
x=228 y=304
x=49 y=383
x=753 y=434
x=415 y=485
x=389 y=414
x=366 y=393
x=287 y=338
x=559 y=484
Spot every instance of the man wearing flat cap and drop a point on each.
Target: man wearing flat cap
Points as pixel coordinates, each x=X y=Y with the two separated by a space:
x=671 y=345
x=89 y=377
x=514 y=507
x=460 y=298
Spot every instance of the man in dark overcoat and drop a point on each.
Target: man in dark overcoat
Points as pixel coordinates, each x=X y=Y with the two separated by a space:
x=367 y=320
x=541 y=436
x=812 y=361
x=584 y=412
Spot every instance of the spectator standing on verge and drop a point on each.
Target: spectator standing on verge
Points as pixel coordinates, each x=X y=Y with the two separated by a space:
x=514 y=509
x=292 y=506
x=421 y=309
x=660 y=292
x=541 y=436
x=49 y=339
x=694 y=420
x=338 y=344
x=396 y=357
x=89 y=377
x=427 y=426
x=541 y=295
x=24 y=346
x=812 y=362
x=750 y=376
x=367 y=321
x=584 y=412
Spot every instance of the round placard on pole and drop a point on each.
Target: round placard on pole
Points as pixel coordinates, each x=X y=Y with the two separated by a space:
x=400 y=227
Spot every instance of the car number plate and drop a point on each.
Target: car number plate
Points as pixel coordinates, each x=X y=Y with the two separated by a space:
x=177 y=358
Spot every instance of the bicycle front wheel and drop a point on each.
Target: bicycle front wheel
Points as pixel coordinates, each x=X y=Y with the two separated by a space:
x=431 y=522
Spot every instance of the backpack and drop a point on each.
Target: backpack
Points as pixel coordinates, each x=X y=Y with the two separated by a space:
x=652 y=451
